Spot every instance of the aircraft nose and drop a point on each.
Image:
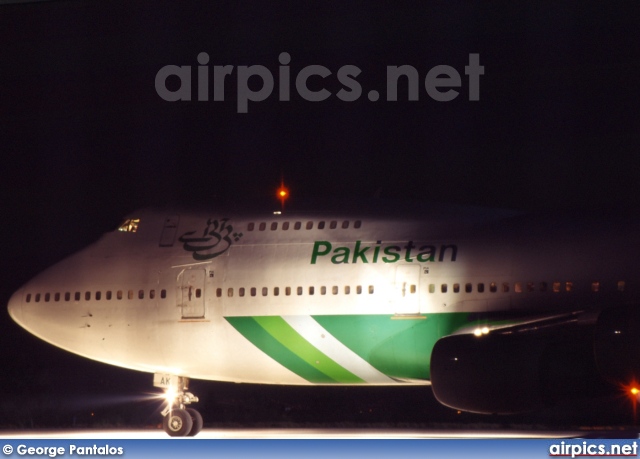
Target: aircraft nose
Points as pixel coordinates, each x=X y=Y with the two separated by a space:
x=15 y=306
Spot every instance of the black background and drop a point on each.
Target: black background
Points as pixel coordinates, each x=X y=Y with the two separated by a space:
x=85 y=139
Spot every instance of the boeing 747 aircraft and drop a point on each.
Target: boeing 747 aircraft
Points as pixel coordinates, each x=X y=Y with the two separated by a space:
x=498 y=311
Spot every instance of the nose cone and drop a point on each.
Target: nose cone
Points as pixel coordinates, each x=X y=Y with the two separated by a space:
x=15 y=306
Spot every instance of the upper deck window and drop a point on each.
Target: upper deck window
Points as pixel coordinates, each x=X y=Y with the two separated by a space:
x=129 y=225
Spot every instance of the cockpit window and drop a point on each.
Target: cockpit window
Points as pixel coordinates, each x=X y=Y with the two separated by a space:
x=129 y=225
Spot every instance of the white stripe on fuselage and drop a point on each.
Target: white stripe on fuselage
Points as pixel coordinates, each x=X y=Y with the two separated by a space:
x=315 y=334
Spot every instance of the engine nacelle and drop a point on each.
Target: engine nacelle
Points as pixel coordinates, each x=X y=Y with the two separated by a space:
x=515 y=371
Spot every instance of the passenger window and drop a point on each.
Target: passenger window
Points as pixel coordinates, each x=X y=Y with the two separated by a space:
x=347 y=290
x=28 y=300
x=297 y=225
x=287 y=291
x=468 y=287
x=517 y=287
x=299 y=291
x=543 y=286
x=359 y=290
x=251 y=226
x=230 y=292
x=108 y=295
x=621 y=286
x=333 y=224
x=37 y=298
x=87 y=296
x=357 y=224
x=241 y=291
x=595 y=286
x=311 y=290
x=323 y=290
x=130 y=226
x=370 y=289
x=309 y=225
x=198 y=293
x=432 y=288
x=47 y=297
x=130 y=294
x=569 y=286
x=285 y=226
x=556 y=287
x=456 y=288
x=141 y=294
x=56 y=297
x=481 y=287
x=218 y=292
x=98 y=296
x=345 y=224
x=163 y=293
x=265 y=291
x=263 y=226
x=152 y=294
x=276 y=291
x=334 y=290
x=443 y=288
x=493 y=287
x=253 y=291
x=530 y=287
x=412 y=289
x=505 y=287
x=321 y=225
x=119 y=295
x=274 y=226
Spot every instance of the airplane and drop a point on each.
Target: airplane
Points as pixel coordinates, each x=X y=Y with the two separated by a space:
x=498 y=311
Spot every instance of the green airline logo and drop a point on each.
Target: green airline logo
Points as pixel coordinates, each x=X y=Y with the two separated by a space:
x=374 y=253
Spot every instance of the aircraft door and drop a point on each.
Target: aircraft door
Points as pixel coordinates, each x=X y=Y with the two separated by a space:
x=190 y=298
x=407 y=289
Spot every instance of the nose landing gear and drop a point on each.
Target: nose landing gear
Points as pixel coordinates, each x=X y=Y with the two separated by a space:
x=179 y=421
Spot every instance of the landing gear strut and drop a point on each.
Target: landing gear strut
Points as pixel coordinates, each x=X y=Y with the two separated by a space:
x=179 y=421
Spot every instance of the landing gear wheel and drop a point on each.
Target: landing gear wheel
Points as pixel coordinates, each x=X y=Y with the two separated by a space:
x=178 y=423
x=196 y=418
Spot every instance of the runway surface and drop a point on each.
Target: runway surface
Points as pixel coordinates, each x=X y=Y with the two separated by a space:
x=316 y=434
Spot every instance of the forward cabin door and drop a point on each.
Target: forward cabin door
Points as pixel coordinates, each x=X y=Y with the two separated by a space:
x=407 y=289
x=191 y=295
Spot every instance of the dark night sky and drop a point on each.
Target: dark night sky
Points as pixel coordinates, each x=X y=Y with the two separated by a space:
x=85 y=139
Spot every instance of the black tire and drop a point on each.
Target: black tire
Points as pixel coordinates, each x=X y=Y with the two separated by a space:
x=196 y=418
x=177 y=423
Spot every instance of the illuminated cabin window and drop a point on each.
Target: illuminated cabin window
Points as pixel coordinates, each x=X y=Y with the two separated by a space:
x=413 y=288
x=28 y=299
x=443 y=288
x=56 y=297
x=481 y=287
x=198 y=293
x=130 y=225
x=130 y=294
x=530 y=287
x=468 y=287
x=98 y=295
x=299 y=291
x=595 y=286
x=345 y=224
x=505 y=287
x=152 y=294
x=253 y=291
x=47 y=297
x=357 y=224
x=568 y=286
x=556 y=287
x=263 y=226
x=87 y=296
x=37 y=298
x=251 y=226
x=432 y=288
x=621 y=286
x=265 y=291
x=334 y=290
x=333 y=224
x=108 y=294
x=309 y=225
x=323 y=290
x=118 y=294
x=493 y=287
x=517 y=287
x=218 y=292
x=297 y=225
x=359 y=290
x=276 y=291
x=230 y=292
x=347 y=290
x=141 y=294
x=274 y=226
x=456 y=288
x=371 y=290
x=321 y=225
x=287 y=291
x=163 y=293
x=311 y=290
x=241 y=291
x=285 y=226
